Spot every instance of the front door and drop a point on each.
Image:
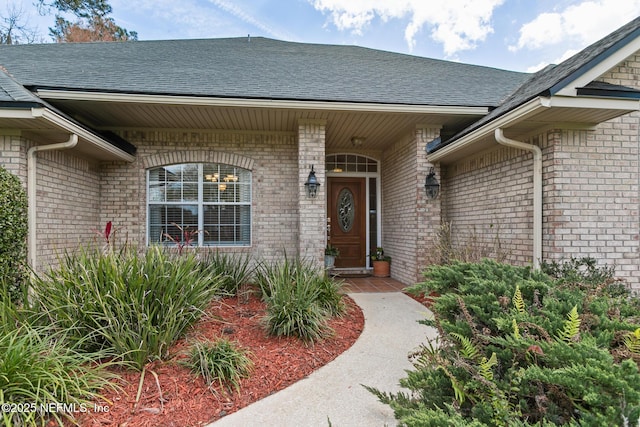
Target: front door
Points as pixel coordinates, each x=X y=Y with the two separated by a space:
x=346 y=218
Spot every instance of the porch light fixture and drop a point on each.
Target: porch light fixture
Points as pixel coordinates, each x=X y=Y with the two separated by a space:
x=431 y=185
x=357 y=141
x=312 y=184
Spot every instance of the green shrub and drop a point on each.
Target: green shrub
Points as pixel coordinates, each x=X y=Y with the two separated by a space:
x=331 y=297
x=235 y=270
x=42 y=368
x=221 y=361
x=578 y=270
x=13 y=234
x=299 y=298
x=521 y=348
x=135 y=306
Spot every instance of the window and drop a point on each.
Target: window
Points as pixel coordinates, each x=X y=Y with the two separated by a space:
x=212 y=201
x=350 y=163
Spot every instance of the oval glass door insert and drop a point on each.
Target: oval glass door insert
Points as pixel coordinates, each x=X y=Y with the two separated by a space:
x=346 y=210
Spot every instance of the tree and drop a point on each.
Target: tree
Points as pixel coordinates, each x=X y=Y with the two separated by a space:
x=92 y=24
x=94 y=28
x=13 y=28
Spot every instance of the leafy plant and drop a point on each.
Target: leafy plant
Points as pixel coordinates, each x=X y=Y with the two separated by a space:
x=632 y=341
x=571 y=327
x=300 y=299
x=222 y=361
x=497 y=363
x=518 y=301
x=379 y=255
x=330 y=295
x=13 y=234
x=578 y=270
x=331 y=251
x=234 y=270
x=134 y=306
x=42 y=368
x=184 y=240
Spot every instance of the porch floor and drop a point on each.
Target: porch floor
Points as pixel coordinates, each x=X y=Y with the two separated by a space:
x=372 y=284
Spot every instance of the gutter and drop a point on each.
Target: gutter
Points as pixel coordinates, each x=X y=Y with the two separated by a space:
x=522 y=112
x=259 y=103
x=32 y=196
x=80 y=131
x=537 y=190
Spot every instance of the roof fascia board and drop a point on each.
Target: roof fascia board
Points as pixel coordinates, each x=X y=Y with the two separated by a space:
x=505 y=120
x=532 y=107
x=12 y=113
x=258 y=103
x=608 y=59
x=88 y=136
x=595 y=103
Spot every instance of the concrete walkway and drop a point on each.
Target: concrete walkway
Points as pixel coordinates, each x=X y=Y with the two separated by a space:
x=333 y=394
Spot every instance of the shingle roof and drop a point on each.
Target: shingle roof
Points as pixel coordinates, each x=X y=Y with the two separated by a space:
x=259 y=68
x=553 y=78
x=14 y=94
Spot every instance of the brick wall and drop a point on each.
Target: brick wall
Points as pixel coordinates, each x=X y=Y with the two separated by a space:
x=406 y=215
x=13 y=155
x=271 y=157
x=487 y=199
x=593 y=188
x=312 y=211
x=590 y=201
x=593 y=196
x=67 y=206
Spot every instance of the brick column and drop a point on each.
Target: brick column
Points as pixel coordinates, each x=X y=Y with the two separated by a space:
x=428 y=211
x=312 y=212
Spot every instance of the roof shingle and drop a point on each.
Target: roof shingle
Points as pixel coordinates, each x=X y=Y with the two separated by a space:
x=259 y=68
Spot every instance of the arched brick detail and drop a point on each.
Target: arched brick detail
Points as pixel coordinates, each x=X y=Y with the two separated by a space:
x=197 y=156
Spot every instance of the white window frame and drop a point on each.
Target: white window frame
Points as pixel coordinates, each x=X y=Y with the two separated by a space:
x=200 y=206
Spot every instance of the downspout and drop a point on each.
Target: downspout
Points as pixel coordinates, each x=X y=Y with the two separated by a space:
x=537 y=190
x=31 y=191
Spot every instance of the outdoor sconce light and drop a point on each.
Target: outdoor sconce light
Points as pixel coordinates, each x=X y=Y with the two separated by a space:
x=312 y=184
x=431 y=185
x=357 y=141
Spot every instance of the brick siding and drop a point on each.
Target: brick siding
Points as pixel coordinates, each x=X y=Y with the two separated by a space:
x=407 y=218
x=271 y=157
x=68 y=192
x=487 y=201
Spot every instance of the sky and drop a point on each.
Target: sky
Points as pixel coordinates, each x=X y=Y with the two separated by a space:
x=518 y=35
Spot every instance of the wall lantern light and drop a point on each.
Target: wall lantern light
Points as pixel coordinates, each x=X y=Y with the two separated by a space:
x=431 y=185
x=312 y=185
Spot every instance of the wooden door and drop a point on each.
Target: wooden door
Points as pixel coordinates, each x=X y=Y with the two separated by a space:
x=346 y=218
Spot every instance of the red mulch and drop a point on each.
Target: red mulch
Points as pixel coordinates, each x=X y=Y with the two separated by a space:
x=425 y=300
x=183 y=399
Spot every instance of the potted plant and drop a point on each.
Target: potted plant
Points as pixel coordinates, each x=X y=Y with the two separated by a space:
x=381 y=263
x=330 y=255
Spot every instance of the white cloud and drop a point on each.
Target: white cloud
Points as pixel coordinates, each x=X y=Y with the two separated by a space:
x=581 y=24
x=457 y=24
x=566 y=55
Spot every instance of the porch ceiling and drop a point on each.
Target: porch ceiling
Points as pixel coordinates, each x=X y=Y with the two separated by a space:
x=380 y=128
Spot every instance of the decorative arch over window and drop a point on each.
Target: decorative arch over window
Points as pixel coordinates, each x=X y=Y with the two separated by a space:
x=196 y=156
x=200 y=204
